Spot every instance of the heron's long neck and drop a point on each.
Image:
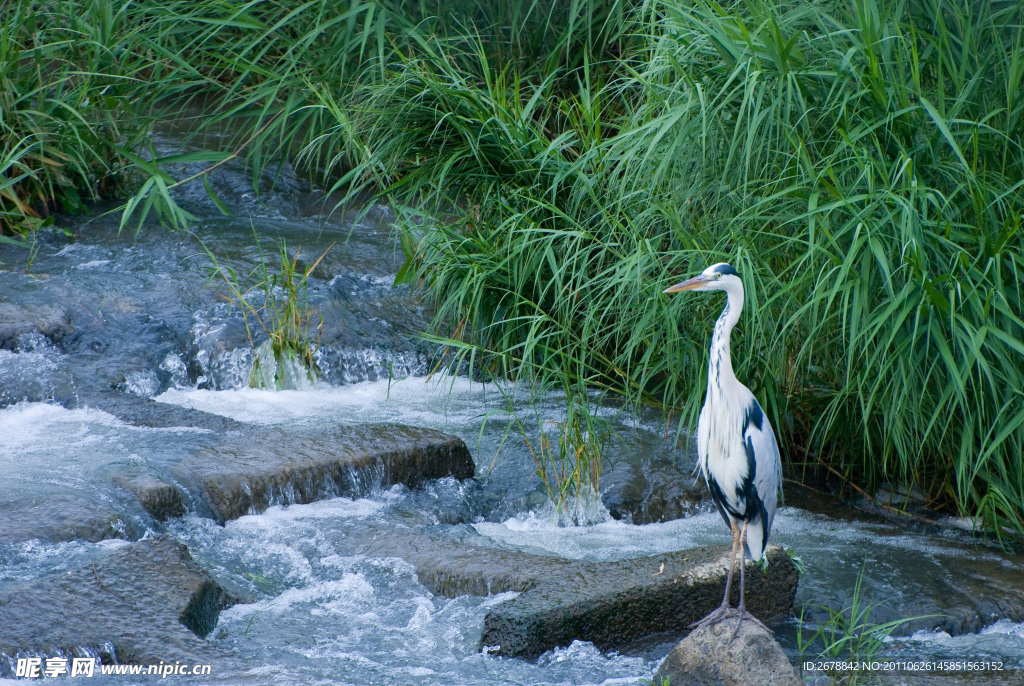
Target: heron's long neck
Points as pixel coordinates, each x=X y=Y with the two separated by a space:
x=720 y=374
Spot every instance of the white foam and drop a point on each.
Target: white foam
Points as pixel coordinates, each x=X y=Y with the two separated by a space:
x=35 y=426
x=1005 y=626
x=176 y=367
x=583 y=653
x=344 y=508
x=413 y=400
x=925 y=635
x=338 y=596
x=143 y=384
x=608 y=540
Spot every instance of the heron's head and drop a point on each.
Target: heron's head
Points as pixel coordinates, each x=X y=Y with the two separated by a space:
x=717 y=277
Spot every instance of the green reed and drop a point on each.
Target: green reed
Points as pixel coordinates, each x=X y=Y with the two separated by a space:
x=860 y=164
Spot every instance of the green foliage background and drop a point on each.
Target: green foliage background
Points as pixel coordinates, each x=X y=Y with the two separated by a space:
x=555 y=165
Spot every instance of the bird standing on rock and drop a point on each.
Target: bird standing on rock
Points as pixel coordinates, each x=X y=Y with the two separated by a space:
x=736 y=446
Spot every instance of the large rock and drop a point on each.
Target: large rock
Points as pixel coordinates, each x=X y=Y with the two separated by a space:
x=148 y=602
x=712 y=656
x=651 y=492
x=616 y=603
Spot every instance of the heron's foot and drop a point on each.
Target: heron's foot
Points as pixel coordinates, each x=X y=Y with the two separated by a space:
x=741 y=614
x=717 y=615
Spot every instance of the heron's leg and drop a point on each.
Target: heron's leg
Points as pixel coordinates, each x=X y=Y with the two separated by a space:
x=732 y=565
x=723 y=610
x=741 y=609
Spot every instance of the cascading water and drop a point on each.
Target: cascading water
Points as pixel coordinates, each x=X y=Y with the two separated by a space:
x=107 y=316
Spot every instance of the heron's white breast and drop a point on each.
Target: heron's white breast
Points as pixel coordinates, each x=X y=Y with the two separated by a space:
x=726 y=457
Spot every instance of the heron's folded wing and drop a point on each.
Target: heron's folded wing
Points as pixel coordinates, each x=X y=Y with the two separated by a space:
x=768 y=476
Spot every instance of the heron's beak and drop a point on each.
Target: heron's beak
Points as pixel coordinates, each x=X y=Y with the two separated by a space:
x=687 y=285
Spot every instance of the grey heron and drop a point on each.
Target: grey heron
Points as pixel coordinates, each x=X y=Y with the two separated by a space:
x=736 y=447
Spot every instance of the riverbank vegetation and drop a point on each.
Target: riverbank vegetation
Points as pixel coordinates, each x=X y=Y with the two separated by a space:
x=554 y=166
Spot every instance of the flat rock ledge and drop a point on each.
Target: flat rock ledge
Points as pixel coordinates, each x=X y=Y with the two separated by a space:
x=615 y=604
x=279 y=467
x=712 y=656
x=253 y=468
x=145 y=603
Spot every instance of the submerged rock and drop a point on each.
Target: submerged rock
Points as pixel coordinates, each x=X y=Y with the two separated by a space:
x=964 y=595
x=159 y=498
x=145 y=603
x=711 y=656
x=50 y=321
x=64 y=517
x=654 y=492
x=149 y=413
x=945 y=580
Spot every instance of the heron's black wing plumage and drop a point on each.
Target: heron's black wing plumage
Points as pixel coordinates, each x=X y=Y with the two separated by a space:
x=765 y=480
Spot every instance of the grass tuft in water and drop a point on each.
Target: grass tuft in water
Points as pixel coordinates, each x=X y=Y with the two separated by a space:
x=277 y=302
x=569 y=454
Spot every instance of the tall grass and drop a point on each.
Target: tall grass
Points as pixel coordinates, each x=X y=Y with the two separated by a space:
x=859 y=163
x=256 y=67
x=869 y=161
x=84 y=80
x=555 y=165
x=69 y=83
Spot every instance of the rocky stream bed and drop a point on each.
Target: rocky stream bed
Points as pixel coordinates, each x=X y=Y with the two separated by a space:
x=382 y=525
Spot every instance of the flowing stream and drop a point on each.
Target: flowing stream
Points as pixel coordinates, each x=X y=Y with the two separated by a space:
x=141 y=316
